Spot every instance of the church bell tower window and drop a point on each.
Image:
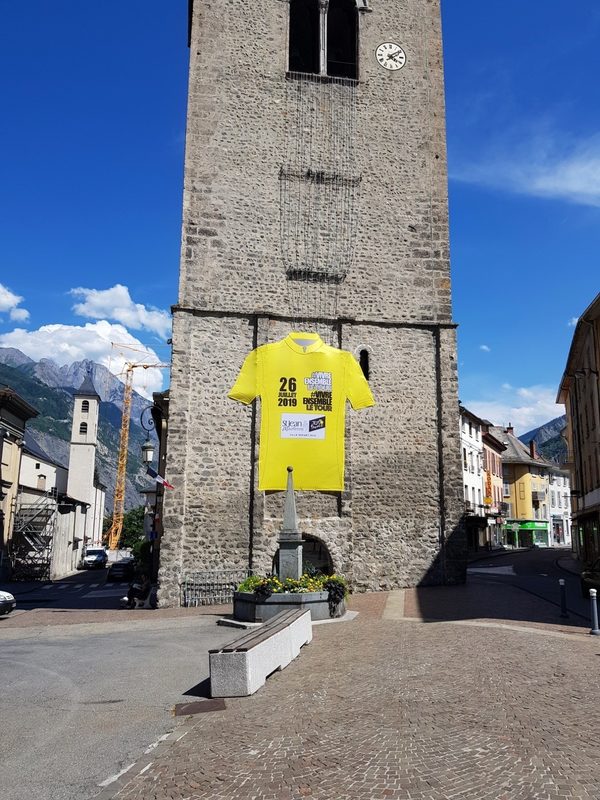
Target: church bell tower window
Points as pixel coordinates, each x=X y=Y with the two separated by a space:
x=323 y=38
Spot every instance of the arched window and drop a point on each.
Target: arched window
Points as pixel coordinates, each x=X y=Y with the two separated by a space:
x=324 y=37
x=85 y=406
x=363 y=359
x=83 y=429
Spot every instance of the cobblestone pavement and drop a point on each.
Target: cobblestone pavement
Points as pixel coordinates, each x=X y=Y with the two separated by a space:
x=383 y=708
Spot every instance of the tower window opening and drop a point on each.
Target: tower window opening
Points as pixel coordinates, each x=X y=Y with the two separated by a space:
x=85 y=406
x=342 y=39
x=83 y=429
x=304 y=36
x=363 y=360
x=323 y=37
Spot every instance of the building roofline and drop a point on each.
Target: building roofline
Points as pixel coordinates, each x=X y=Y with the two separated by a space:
x=591 y=313
x=488 y=437
x=13 y=402
x=464 y=411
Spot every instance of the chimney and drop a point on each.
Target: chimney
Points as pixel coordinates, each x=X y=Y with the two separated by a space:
x=510 y=429
x=533 y=449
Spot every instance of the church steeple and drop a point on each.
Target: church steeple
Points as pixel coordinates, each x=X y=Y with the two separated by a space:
x=87 y=388
x=84 y=441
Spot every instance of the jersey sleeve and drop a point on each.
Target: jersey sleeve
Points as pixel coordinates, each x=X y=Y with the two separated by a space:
x=357 y=389
x=246 y=388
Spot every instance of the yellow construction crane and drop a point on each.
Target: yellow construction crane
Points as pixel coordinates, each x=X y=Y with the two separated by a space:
x=114 y=534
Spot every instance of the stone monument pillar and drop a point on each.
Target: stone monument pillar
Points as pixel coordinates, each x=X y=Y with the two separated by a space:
x=290 y=541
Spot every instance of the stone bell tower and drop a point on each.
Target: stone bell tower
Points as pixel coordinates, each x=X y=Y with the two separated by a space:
x=316 y=199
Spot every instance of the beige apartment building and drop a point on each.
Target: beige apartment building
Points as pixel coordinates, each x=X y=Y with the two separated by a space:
x=580 y=392
x=14 y=413
x=526 y=517
x=493 y=449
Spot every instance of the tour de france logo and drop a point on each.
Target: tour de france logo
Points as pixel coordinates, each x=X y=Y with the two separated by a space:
x=302 y=426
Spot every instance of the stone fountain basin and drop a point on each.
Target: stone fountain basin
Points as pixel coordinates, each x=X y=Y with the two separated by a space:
x=248 y=608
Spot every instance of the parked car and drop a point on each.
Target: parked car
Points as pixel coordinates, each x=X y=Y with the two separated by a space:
x=590 y=578
x=122 y=570
x=7 y=603
x=95 y=558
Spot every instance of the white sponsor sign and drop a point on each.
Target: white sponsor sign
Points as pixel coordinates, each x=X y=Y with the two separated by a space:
x=302 y=426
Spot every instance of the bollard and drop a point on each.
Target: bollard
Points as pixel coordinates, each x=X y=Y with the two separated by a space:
x=563 y=599
x=595 y=629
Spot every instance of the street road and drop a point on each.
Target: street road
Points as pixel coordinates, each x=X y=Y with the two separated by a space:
x=79 y=703
x=536 y=571
x=84 y=590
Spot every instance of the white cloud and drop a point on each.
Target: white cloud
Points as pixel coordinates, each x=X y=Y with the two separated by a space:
x=9 y=302
x=19 y=314
x=116 y=304
x=67 y=343
x=485 y=348
x=506 y=386
x=572 y=322
x=526 y=407
x=539 y=163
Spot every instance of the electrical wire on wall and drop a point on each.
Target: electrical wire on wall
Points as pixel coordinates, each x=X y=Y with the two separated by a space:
x=319 y=195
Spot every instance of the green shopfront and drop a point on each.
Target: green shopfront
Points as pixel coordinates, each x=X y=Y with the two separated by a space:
x=526 y=533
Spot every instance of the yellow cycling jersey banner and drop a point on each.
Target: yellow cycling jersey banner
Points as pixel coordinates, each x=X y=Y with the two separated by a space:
x=303 y=385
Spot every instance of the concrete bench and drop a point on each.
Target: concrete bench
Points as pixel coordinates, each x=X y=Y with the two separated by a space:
x=242 y=667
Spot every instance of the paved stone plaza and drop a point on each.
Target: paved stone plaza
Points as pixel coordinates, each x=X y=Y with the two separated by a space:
x=494 y=704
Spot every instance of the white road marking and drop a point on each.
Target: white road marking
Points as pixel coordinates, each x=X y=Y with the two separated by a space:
x=61 y=585
x=48 y=586
x=80 y=585
x=141 y=772
x=106 y=593
x=94 y=585
x=493 y=570
x=156 y=743
x=116 y=777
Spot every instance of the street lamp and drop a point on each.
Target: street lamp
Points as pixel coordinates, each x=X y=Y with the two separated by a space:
x=147 y=447
x=4 y=434
x=147 y=451
x=147 y=458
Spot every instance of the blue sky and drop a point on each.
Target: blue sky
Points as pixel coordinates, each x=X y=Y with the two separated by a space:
x=91 y=163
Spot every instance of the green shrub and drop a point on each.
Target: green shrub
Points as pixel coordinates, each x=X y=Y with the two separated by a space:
x=263 y=587
x=250 y=583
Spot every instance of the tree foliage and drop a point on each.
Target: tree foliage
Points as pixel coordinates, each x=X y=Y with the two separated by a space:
x=133 y=527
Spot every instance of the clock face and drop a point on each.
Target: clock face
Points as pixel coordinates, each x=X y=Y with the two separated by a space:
x=390 y=56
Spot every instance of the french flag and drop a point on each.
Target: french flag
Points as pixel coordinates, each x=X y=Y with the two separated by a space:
x=159 y=478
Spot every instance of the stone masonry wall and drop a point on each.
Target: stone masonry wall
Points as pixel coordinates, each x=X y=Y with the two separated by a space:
x=239 y=124
x=398 y=523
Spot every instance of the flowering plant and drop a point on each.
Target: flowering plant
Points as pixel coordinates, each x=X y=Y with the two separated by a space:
x=263 y=587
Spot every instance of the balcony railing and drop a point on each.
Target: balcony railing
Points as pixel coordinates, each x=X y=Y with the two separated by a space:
x=476 y=508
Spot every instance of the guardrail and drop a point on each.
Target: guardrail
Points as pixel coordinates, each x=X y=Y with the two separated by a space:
x=211 y=587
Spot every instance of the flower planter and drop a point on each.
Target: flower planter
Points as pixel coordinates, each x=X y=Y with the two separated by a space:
x=247 y=607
